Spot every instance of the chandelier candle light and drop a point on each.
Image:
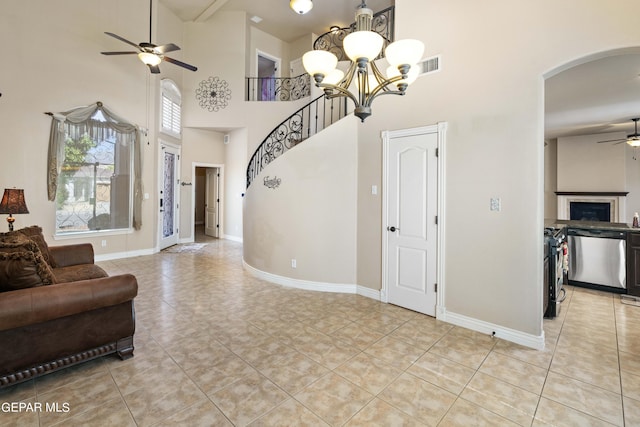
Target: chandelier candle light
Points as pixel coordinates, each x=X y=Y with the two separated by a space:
x=363 y=46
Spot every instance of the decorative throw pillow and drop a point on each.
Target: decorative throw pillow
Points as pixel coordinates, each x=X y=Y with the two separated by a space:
x=21 y=263
x=34 y=233
x=20 y=270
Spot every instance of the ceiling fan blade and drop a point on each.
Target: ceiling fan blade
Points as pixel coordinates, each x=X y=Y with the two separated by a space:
x=122 y=39
x=180 y=63
x=119 y=53
x=169 y=47
x=613 y=140
x=154 y=69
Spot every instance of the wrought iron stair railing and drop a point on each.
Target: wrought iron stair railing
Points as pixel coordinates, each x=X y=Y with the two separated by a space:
x=383 y=24
x=278 y=88
x=307 y=121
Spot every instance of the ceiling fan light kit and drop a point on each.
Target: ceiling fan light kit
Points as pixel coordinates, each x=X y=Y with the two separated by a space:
x=362 y=47
x=633 y=139
x=301 y=6
x=150 y=54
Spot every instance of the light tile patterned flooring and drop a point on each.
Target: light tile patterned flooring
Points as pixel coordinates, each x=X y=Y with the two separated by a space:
x=217 y=347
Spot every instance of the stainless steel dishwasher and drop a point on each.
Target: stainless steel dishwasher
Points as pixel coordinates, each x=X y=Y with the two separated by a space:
x=598 y=257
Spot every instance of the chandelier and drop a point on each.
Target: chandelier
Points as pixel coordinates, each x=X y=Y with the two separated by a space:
x=301 y=6
x=362 y=47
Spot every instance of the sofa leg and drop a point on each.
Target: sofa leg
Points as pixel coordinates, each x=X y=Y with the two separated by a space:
x=124 y=348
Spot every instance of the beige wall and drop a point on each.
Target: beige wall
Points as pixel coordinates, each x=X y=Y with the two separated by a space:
x=585 y=165
x=311 y=216
x=64 y=71
x=491 y=92
x=199 y=147
x=550 y=178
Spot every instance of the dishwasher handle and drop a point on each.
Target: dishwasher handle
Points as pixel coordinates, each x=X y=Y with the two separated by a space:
x=603 y=234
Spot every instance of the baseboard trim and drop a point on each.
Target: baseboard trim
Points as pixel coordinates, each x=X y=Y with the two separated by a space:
x=232 y=238
x=312 y=285
x=533 y=341
x=126 y=254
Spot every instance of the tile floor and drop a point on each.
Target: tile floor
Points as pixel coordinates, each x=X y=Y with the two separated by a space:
x=217 y=347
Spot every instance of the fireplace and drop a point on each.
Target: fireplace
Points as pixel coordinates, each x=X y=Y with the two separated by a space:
x=590 y=211
x=592 y=206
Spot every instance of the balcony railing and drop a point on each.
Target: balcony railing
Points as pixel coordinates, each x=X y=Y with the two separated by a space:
x=308 y=120
x=383 y=24
x=278 y=88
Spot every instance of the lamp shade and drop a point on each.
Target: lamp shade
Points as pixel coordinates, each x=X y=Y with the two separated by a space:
x=404 y=52
x=363 y=44
x=149 y=58
x=301 y=6
x=13 y=202
x=334 y=77
x=319 y=62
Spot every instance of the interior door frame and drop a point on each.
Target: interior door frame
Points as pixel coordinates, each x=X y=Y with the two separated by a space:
x=176 y=218
x=440 y=128
x=220 y=168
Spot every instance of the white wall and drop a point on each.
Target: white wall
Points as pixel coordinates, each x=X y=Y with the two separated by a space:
x=235 y=183
x=311 y=216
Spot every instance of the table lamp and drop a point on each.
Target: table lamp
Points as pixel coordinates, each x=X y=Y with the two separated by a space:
x=13 y=203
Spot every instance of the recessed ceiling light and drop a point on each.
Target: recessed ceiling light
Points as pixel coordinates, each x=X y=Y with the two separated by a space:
x=256 y=19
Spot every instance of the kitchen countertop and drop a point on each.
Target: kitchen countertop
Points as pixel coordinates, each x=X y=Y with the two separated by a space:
x=590 y=225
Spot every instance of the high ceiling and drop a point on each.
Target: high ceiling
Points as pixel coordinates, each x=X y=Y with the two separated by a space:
x=600 y=96
x=277 y=18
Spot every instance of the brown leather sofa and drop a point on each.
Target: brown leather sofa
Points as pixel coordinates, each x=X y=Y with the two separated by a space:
x=58 y=309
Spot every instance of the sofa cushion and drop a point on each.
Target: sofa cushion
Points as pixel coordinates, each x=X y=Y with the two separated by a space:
x=75 y=273
x=22 y=265
x=26 y=269
x=33 y=233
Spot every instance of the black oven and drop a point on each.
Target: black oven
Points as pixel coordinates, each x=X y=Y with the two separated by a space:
x=558 y=267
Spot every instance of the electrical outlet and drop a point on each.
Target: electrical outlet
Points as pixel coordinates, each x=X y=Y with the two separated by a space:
x=495 y=204
x=104 y=243
x=293 y=263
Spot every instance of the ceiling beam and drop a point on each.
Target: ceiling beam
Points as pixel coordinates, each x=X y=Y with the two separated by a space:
x=210 y=10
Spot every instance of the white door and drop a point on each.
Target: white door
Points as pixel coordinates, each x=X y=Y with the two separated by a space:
x=296 y=68
x=411 y=230
x=212 y=202
x=169 y=195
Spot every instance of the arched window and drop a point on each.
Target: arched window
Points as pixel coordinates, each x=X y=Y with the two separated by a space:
x=171 y=109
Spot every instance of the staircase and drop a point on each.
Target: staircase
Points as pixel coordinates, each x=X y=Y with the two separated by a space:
x=307 y=121
x=317 y=114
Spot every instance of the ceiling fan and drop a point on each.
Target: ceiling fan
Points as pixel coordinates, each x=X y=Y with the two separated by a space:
x=633 y=139
x=149 y=53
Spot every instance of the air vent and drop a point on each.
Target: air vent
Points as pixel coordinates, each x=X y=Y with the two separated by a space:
x=430 y=65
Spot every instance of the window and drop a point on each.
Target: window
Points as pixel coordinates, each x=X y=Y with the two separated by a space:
x=94 y=184
x=93 y=159
x=171 y=109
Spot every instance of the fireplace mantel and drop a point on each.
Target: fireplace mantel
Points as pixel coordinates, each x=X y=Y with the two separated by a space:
x=616 y=200
x=592 y=193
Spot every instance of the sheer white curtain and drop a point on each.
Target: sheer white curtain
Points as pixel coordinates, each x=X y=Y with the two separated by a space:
x=77 y=122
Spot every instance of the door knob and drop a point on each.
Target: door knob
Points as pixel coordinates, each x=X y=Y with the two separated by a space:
x=393 y=229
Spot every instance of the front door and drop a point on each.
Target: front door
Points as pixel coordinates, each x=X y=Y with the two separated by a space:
x=411 y=231
x=168 y=200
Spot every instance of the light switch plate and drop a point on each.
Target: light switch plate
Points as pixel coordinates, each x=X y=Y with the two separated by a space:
x=495 y=204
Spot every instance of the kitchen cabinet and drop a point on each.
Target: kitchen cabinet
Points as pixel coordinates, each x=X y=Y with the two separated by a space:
x=633 y=264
